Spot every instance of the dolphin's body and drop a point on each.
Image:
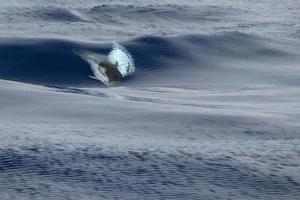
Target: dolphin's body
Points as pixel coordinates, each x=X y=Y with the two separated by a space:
x=110 y=71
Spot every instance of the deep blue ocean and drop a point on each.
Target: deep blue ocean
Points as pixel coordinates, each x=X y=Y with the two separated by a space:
x=211 y=112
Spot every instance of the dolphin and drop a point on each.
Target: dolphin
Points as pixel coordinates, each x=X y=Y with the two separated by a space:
x=110 y=70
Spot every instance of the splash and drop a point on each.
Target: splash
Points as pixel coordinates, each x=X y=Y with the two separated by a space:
x=123 y=59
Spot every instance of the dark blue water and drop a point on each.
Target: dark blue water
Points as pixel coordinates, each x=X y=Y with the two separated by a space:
x=212 y=111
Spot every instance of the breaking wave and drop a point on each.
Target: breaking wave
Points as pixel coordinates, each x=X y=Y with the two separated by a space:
x=189 y=59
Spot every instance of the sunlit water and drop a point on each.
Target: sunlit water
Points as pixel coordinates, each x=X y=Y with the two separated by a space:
x=211 y=111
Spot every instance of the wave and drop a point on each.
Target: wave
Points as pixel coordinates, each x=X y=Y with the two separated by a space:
x=188 y=59
x=40 y=14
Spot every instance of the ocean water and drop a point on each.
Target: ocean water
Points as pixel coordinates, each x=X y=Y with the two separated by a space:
x=212 y=111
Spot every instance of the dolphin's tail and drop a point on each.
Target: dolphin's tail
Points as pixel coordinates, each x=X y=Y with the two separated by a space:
x=94 y=60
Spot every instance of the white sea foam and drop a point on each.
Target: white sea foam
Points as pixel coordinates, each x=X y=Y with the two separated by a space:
x=120 y=56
